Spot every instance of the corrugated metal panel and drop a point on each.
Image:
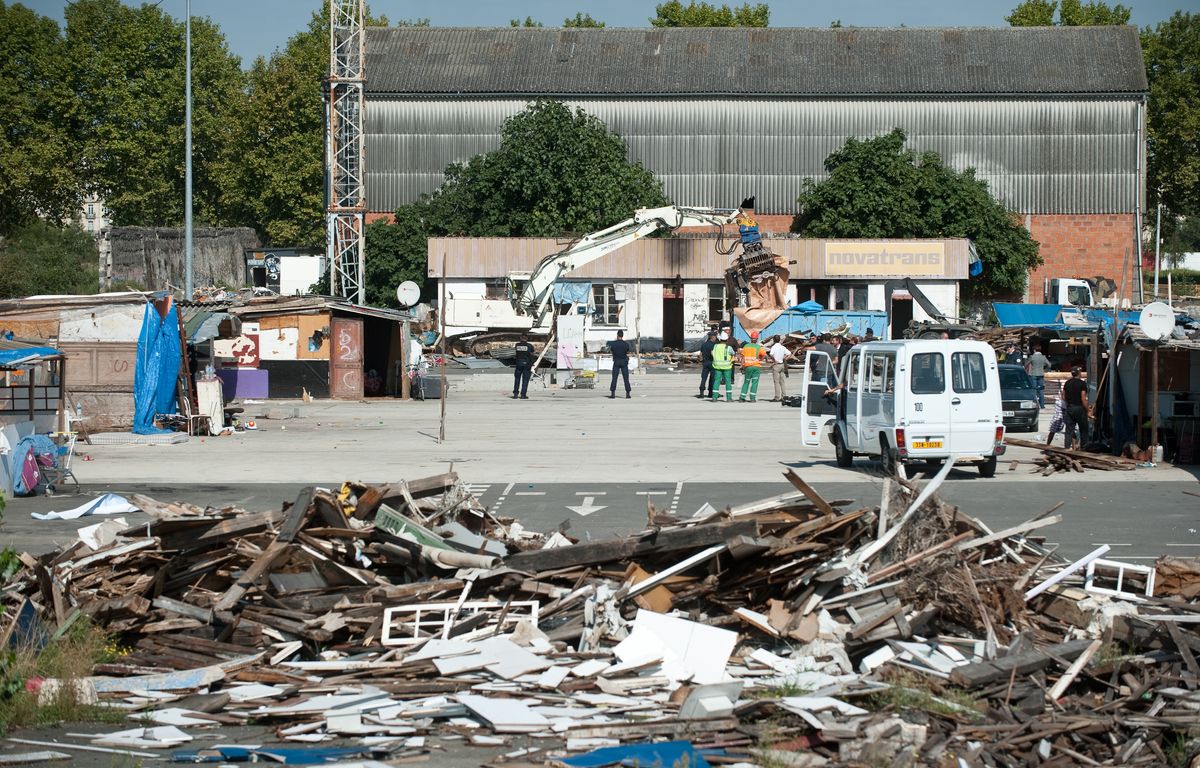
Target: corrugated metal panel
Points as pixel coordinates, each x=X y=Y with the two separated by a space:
x=1039 y=156
x=991 y=60
x=689 y=258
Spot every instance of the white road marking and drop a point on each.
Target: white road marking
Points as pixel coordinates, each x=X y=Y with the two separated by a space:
x=503 y=495
x=675 y=498
x=591 y=493
x=587 y=507
x=530 y=493
x=651 y=493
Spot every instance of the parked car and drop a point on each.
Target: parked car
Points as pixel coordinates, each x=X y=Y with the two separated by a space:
x=1019 y=399
x=909 y=401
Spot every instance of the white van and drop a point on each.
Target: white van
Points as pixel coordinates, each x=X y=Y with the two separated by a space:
x=908 y=401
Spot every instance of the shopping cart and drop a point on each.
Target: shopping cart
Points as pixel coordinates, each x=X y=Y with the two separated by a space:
x=54 y=476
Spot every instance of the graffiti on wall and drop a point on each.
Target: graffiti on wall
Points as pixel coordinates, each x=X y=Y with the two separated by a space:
x=695 y=315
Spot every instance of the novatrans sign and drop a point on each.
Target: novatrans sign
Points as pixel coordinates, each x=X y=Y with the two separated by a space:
x=885 y=259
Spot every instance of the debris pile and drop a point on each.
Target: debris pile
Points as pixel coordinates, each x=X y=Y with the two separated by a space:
x=1055 y=459
x=397 y=619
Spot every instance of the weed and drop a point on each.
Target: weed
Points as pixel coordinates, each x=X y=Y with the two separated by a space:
x=909 y=692
x=787 y=688
x=67 y=659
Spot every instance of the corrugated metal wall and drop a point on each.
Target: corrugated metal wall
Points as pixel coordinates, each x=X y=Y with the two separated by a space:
x=1040 y=156
x=689 y=258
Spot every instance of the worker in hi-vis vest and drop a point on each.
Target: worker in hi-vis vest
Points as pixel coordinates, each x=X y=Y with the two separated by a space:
x=752 y=355
x=722 y=363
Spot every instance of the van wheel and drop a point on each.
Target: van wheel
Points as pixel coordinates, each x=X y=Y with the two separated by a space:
x=840 y=452
x=886 y=458
x=988 y=468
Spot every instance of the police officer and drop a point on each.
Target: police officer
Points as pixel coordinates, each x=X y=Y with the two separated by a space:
x=524 y=369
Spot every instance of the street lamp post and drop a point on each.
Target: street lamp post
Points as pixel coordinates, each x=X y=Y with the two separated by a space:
x=188 y=284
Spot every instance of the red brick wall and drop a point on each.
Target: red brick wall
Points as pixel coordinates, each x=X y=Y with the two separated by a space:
x=1083 y=245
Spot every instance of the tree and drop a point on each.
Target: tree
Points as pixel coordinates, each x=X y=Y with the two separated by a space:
x=39 y=159
x=529 y=22
x=879 y=189
x=583 y=21
x=42 y=258
x=1071 y=13
x=676 y=14
x=127 y=68
x=556 y=172
x=1180 y=236
x=1172 y=54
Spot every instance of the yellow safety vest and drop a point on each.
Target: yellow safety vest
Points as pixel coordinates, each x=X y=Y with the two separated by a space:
x=722 y=357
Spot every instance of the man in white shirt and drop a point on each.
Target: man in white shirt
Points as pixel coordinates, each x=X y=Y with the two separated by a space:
x=779 y=355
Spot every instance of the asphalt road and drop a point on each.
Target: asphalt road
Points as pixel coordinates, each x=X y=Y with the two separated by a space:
x=1140 y=520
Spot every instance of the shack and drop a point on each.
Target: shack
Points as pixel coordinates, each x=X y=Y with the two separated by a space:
x=283 y=347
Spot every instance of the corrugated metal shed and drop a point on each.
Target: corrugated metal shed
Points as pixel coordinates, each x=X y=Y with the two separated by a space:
x=1039 y=155
x=689 y=258
x=739 y=61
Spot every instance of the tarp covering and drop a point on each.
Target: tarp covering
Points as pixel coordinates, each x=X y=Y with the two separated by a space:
x=1024 y=315
x=572 y=293
x=157 y=369
x=28 y=354
x=807 y=307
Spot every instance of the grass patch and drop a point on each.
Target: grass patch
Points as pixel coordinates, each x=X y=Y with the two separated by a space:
x=68 y=659
x=912 y=692
x=779 y=691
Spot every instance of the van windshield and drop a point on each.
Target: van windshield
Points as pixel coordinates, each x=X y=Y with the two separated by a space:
x=928 y=373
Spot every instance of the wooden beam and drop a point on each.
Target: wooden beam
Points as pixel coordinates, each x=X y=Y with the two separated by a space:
x=816 y=498
x=297 y=514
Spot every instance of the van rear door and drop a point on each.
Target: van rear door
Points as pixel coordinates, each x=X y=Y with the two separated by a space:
x=974 y=402
x=819 y=410
x=927 y=409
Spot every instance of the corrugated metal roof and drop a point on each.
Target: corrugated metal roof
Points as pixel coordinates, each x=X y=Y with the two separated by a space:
x=689 y=258
x=739 y=61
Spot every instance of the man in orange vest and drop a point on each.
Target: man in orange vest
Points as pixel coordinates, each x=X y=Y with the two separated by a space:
x=751 y=355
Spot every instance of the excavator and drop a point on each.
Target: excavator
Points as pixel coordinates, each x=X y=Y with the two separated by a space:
x=532 y=293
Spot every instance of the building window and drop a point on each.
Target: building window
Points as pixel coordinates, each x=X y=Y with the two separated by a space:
x=91 y=211
x=90 y=227
x=716 y=302
x=607 y=306
x=495 y=290
x=848 y=297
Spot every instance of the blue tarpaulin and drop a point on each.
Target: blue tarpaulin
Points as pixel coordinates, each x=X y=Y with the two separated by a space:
x=572 y=293
x=663 y=755
x=1027 y=315
x=157 y=369
x=27 y=354
x=806 y=307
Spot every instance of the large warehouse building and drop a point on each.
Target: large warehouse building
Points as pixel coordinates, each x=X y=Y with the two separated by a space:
x=1052 y=118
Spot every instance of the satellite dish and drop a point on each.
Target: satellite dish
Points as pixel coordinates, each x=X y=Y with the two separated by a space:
x=1157 y=321
x=409 y=293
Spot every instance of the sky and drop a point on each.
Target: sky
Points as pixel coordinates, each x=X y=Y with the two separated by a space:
x=258 y=27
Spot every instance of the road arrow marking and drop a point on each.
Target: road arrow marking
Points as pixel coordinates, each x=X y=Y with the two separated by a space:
x=587 y=507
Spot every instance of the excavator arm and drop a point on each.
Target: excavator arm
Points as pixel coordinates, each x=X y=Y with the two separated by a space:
x=531 y=294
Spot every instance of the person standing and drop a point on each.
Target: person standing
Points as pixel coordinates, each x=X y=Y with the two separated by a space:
x=1057 y=421
x=722 y=356
x=1074 y=392
x=706 y=363
x=751 y=354
x=1037 y=365
x=524 y=368
x=1013 y=355
x=620 y=355
x=779 y=355
x=825 y=370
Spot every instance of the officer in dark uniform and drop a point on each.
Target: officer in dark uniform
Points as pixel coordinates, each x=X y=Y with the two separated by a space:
x=524 y=367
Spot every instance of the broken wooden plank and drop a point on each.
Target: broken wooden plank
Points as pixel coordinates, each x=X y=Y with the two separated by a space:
x=251 y=575
x=816 y=498
x=1064 y=682
x=296 y=516
x=982 y=673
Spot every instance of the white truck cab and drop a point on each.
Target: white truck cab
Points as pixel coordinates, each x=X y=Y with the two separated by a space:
x=908 y=401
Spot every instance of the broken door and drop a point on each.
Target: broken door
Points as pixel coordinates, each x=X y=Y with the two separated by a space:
x=346 y=359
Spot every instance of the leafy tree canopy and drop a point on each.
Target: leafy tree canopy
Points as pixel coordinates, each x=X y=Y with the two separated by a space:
x=1071 y=13
x=583 y=20
x=556 y=172
x=703 y=14
x=529 y=22
x=44 y=258
x=879 y=189
x=1172 y=53
x=39 y=157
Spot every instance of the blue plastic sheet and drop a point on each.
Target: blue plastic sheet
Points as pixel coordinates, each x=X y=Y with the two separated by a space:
x=10 y=356
x=572 y=293
x=286 y=755
x=807 y=307
x=664 y=755
x=157 y=369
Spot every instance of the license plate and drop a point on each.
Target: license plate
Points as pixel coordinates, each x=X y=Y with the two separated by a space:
x=1010 y=413
x=927 y=444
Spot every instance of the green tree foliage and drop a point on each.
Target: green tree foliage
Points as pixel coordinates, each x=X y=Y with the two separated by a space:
x=1172 y=53
x=676 y=14
x=127 y=67
x=583 y=21
x=45 y=258
x=556 y=172
x=529 y=22
x=1071 y=13
x=879 y=189
x=39 y=158
x=1181 y=235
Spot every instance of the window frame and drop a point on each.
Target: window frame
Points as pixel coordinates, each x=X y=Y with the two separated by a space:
x=954 y=372
x=606 y=307
x=913 y=368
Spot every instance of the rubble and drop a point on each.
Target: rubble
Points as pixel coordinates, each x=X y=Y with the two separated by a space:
x=1055 y=459
x=390 y=620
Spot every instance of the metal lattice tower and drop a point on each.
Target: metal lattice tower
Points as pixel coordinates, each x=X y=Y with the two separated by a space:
x=344 y=142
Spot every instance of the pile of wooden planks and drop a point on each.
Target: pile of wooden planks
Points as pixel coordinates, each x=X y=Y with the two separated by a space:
x=400 y=614
x=1055 y=459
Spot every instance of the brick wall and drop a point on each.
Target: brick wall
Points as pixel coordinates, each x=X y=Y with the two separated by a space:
x=1084 y=245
